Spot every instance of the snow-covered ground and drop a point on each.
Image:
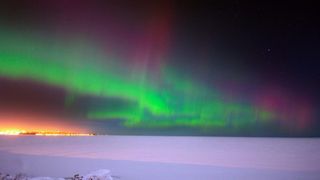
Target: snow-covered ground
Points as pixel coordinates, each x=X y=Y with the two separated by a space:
x=163 y=158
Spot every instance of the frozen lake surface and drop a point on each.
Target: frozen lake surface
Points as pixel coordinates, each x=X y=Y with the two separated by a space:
x=163 y=157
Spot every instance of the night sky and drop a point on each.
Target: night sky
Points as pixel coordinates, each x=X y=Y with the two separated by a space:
x=227 y=68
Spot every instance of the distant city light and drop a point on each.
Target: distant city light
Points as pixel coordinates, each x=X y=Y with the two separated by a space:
x=16 y=132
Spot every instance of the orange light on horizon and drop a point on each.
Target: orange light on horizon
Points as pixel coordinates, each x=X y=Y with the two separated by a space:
x=13 y=123
x=17 y=132
x=11 y=132
x=62 y=134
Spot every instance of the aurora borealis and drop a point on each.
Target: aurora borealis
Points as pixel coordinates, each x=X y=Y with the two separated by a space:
x=136 y=69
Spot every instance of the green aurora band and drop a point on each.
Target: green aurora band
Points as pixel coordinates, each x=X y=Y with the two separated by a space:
x=81 y=68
